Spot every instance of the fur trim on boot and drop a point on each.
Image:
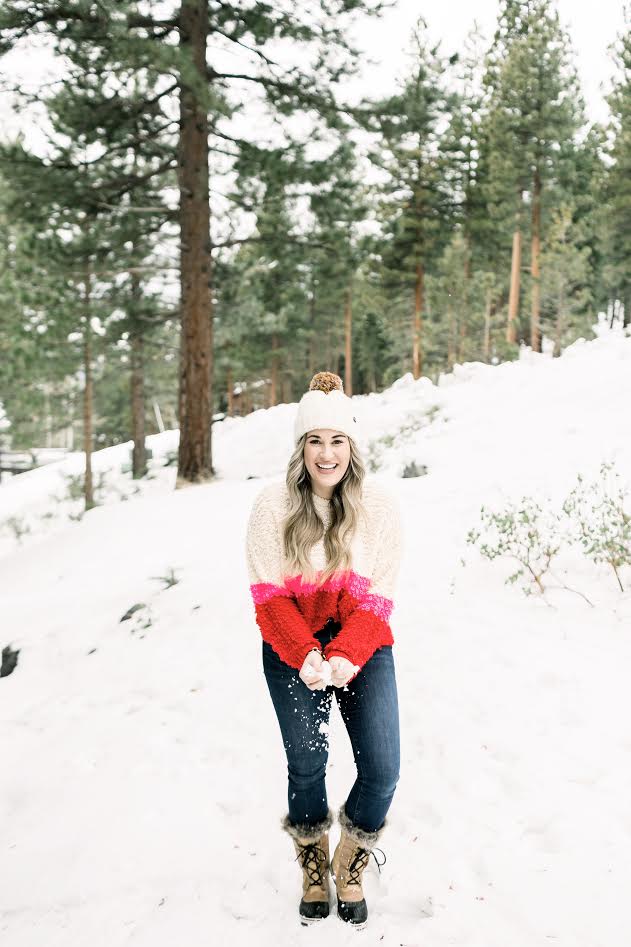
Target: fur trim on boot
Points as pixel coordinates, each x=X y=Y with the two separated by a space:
x=307 y=833
x=365 y=839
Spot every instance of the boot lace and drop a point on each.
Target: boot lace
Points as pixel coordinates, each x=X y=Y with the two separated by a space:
x=359 y=861
x=313 y=859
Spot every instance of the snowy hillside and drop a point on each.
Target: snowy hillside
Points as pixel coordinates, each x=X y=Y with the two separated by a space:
x=143 y=775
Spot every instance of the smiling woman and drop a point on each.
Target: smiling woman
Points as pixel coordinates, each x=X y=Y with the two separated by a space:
x=323 y=552
x=327 y=454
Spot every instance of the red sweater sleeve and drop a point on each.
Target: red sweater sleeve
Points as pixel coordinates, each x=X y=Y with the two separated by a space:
x=366 y=626
x=279 y=619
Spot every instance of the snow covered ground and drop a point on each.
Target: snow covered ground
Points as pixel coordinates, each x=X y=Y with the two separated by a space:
x=143 y=776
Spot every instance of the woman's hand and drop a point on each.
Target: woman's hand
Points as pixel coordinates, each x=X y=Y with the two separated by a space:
x=341 y=671
x=312 y=673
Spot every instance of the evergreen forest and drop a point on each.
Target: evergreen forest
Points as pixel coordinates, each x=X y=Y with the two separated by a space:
x=206 y=216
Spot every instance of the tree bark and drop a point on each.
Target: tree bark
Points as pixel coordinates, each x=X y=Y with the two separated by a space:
x=417 y=353
x=88 y=395
x=535 y=311
x=195 y=400
x=139 y=453
x=348 y=341
x=513 y=298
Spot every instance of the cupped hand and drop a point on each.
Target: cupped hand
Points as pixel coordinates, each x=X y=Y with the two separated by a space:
x=311 y=672
x=341 y=670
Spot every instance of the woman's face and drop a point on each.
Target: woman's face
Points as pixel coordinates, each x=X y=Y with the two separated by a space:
x=327 y=456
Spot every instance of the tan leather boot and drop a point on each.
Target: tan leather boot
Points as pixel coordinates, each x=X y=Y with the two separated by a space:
x=347 y=867
x=311 y=844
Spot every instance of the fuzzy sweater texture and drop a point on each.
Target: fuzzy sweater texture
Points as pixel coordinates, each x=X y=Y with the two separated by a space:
x=289 y=609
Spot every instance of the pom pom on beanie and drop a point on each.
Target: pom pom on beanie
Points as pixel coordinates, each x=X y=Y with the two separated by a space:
x=325 y=406
x=326 y=381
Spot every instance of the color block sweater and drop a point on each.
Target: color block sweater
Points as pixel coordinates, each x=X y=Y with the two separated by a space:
x=289 y=610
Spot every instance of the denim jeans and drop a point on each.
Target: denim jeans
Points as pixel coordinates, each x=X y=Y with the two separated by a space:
x=370 y=711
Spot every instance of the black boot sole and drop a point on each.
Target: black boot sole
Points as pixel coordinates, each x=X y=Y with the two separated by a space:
x=313 y=911
x=354 y=913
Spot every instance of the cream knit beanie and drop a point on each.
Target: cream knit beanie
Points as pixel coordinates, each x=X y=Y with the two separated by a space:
x=326 y=406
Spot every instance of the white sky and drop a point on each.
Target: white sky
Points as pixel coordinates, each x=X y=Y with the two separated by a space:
x=592 y=27
x=385 y=40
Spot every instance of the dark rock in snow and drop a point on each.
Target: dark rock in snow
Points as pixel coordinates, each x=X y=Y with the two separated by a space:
x=414 y=470
x=9 y=661
x=130 y=611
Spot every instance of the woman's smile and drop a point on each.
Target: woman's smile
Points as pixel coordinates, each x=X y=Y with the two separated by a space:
x=327 y=455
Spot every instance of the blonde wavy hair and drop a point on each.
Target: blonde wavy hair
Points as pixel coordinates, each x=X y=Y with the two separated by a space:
x=302 y=527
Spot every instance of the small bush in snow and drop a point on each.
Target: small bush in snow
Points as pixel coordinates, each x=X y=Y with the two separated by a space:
x=140 y=619
x=17 y=526
x=600 y=519
x=169 y=580
x=414 y=470
x=523 y=533
x=412 y=423
x=75 y=489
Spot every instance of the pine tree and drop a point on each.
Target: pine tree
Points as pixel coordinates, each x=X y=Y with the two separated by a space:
x=95 y=228
x=565 y=269
x=412 y=150
x=535 y=110
x=618 y=178
x=170 y=51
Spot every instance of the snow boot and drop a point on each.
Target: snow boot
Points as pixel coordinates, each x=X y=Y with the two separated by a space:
x=347 y=866
x=311 y=843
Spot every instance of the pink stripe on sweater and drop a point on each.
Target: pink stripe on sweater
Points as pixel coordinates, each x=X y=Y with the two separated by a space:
x=263 y=591
x=357 y=585
x=379 y=605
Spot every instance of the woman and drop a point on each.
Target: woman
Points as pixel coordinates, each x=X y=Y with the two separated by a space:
x=323 y=550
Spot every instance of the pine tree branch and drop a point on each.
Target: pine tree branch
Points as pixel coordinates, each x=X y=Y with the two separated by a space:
x=252 y=49
x=131 y=181
x=167 y=212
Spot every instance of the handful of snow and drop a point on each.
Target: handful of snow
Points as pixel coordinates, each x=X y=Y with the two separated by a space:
x=325 y=673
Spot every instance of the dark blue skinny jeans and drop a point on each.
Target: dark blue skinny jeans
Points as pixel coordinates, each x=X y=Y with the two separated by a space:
x=370 y=711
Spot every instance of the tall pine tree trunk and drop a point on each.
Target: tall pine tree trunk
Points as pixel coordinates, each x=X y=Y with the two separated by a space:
x=515 y=274
x=513 y=297
x=418 y=321
x=535 y=311
x=194 y=456
x=139 y=454
x=348 y=341
x=88 y=395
